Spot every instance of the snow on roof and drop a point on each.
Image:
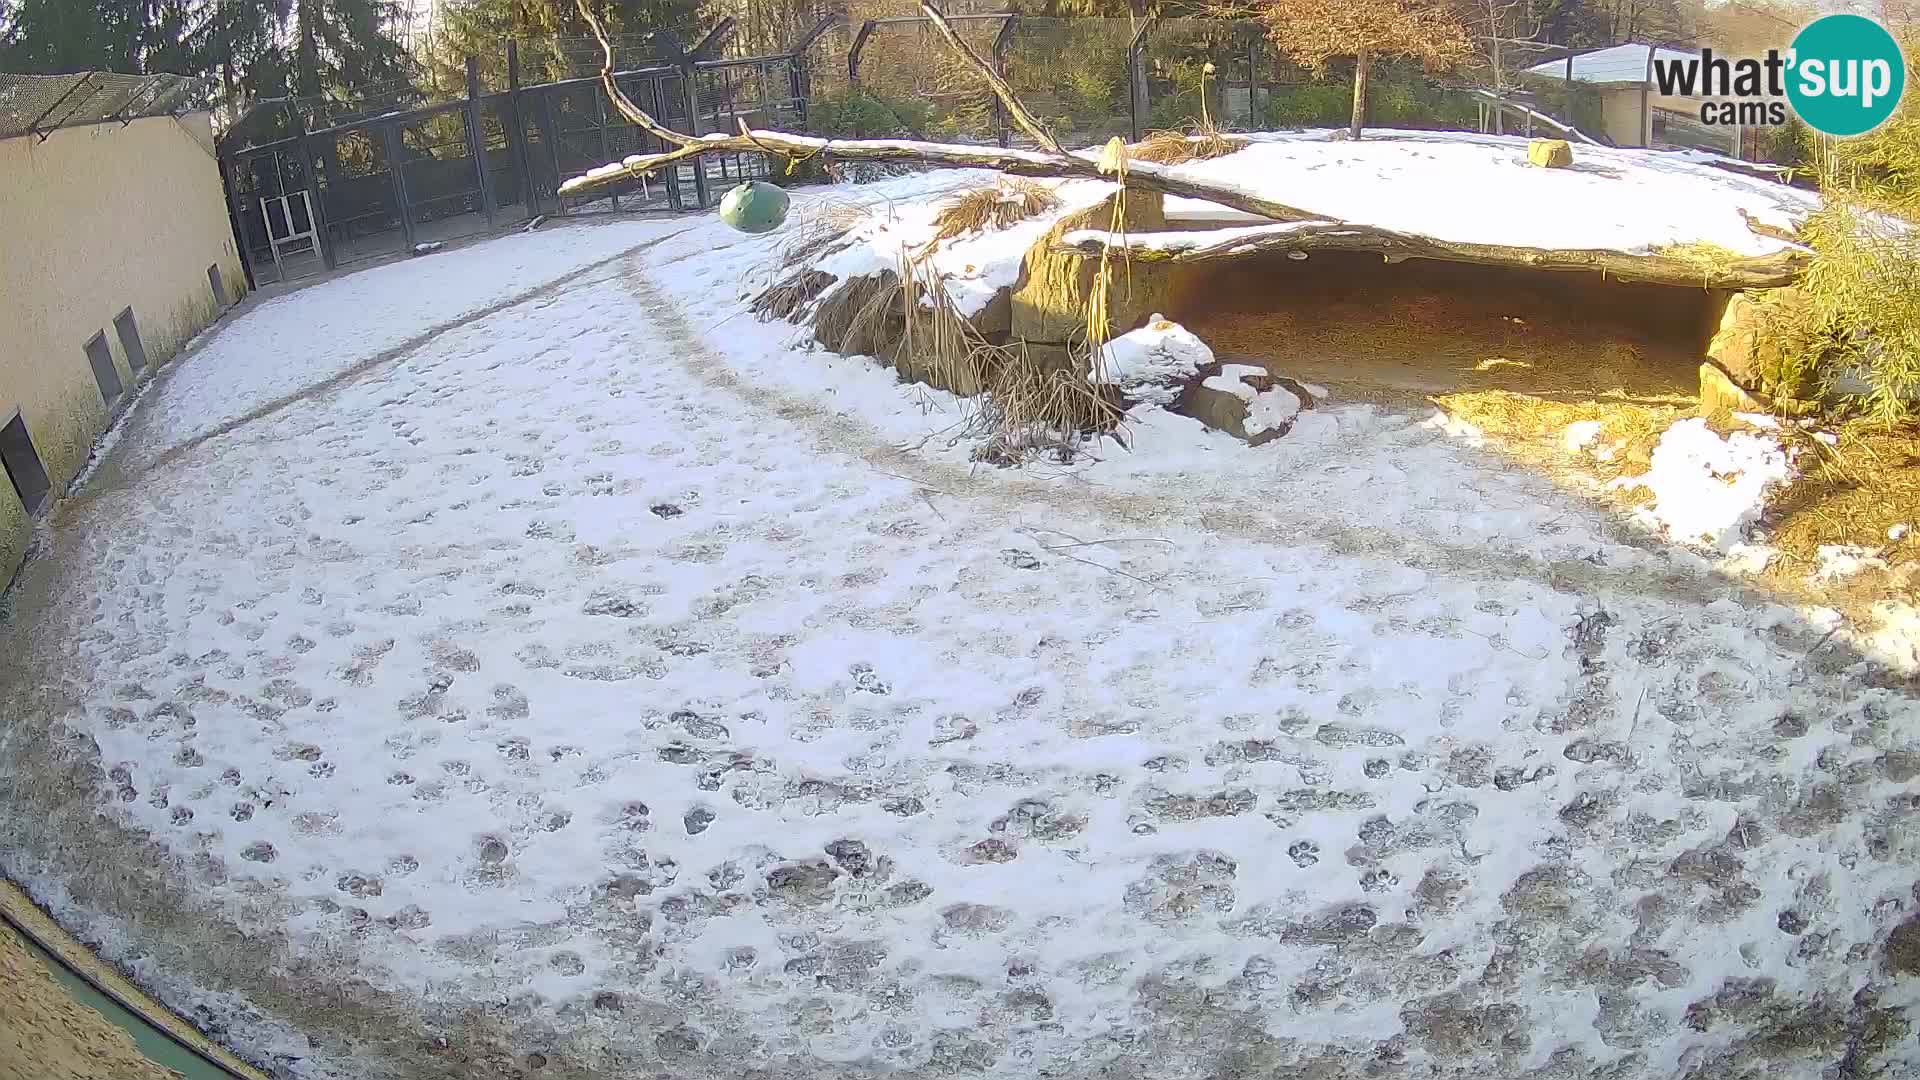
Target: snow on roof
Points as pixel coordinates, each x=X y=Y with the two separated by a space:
x=1620 y=64
x=1472 y=188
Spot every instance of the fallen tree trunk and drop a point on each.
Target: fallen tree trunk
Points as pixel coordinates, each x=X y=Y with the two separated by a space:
x=1139 y=174
x=1051 y=160
x=1658 y=267
x=1296 y=230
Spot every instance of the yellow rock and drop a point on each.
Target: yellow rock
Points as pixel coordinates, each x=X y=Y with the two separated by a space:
x=1549 y=153
x=1718 y=393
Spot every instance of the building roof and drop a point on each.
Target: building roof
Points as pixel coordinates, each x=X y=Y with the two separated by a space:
x=1620 y=65
x=41 y=103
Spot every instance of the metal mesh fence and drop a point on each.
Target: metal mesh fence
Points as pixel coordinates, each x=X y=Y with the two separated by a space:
x=37 y=104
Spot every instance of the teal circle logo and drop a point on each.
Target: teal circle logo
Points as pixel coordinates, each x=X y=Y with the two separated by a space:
x=1846 y=74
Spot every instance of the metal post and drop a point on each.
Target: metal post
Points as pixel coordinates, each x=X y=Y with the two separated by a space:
x=396 y=170
x=798 y=78
x=517 y=132
x=1253 y=84
x=672 y=179
x=606 y=149
x=1646 y=112
x=801 y=67
x=316 y=205
x=1001 y=41
x=1137 y=76
x=477 y=139
x=1571 y=117
x=859 y=46
x=549 y=134
x=230 y=187
x=688 y=77
x=57 y=102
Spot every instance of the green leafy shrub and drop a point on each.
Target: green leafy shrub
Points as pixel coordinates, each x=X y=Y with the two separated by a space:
x=1856 y=314
x=1315 y=104
x=858 y=114
x=1395 y=99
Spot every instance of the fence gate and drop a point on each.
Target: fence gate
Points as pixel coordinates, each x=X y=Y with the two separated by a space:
x=290 y=228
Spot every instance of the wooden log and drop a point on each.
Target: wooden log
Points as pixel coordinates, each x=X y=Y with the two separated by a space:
x=1140 y=174
x=1661 y=268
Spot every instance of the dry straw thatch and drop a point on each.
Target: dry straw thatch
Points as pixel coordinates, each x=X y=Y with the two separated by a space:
x=1179 y=147
x=993 y=207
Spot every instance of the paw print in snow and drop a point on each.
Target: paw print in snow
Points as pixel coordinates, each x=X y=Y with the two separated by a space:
x=666 y=510
x=865 y=681
x=1020 y=560
x=1378 y=879
x=1304 y=853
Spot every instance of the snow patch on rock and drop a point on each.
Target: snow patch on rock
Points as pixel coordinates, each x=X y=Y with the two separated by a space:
x=1707 y=489
x=1149 y=364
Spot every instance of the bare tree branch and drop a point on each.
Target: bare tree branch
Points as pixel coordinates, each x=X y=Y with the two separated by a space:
x=1026 y=120
x=634 y=113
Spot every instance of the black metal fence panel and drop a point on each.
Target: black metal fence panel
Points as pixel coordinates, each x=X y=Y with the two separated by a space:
x=308 y=194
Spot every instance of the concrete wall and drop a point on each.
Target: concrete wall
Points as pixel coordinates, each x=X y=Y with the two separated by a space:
x=93 y=220
x=1620 y=116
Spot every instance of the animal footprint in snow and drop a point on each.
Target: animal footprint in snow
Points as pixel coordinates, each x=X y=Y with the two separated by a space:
x=1378 y=879
x=666 y=510
x=1020 y=560
x=1304 y=853
x=697 y=819
x=866 y=681
x=952 y=729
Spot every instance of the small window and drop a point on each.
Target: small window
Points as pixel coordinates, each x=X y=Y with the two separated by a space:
x=219 y=284
x=128 y=332
x=22 y=463
x=104 y=373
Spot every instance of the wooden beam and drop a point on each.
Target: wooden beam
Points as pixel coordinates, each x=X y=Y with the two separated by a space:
x=1305 y=237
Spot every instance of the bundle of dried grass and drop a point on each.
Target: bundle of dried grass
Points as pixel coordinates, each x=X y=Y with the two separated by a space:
x=1179 y=147
x=1853 y=492
x=824 y=228
x=1021 y=399
x=991 y=208
x=791 y=296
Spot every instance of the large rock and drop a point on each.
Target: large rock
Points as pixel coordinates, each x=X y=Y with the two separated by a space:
x=1549 y=153
x=1719 y=393
x=1751 y=351
x=1050 y=299
x=1244 y=400
x=1737 y=343
x=1152 y=365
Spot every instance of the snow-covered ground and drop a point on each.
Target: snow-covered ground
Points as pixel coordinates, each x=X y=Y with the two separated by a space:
x=1480 y=189
x=606 y=685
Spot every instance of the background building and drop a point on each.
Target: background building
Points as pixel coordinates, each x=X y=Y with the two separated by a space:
x=115 y=248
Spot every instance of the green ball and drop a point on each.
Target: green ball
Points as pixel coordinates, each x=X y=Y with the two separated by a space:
x=754 y=207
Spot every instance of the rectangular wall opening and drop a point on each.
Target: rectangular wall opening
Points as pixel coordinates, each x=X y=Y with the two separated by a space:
x=104 y=373
x=22 y=463
x=219 y=284
x=128 y=331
